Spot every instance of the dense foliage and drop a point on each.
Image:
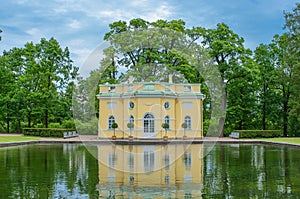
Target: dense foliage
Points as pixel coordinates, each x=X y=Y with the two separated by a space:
x=259 y=133
x=46 y=132
x=36 y=85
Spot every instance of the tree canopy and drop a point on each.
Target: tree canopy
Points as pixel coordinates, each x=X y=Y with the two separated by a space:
x=37 y=85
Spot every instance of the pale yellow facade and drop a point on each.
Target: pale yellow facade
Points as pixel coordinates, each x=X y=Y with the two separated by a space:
x=153 y=171
x=148 y=106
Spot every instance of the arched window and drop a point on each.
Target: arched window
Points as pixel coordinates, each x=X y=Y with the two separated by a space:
x=167 y=120
x=131 y=119
x=148 y=123
x=188 y=122
x=111 y=120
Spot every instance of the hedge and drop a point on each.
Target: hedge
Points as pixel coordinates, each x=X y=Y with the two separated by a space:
x=46 y=132
x=259 y=133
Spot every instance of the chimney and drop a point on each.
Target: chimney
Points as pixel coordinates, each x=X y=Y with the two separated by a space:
x=130 y=79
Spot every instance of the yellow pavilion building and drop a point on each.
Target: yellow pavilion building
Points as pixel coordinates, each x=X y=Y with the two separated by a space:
x=148 y=106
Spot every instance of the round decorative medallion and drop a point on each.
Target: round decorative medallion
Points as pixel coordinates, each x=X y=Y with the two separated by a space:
x=167 y=105
x=131 y=105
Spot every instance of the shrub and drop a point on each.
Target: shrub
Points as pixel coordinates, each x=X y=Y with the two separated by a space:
x=45 y=132
x=88 y=127
x=259 y=133
x=2 y=128
x=54 y=125
x=39 y=125
x=211 y=128
x=68 y=124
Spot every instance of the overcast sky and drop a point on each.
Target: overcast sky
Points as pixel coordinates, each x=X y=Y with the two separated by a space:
x=81 y=24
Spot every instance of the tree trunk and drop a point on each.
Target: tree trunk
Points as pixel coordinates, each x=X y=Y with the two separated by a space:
x=241 y=124
x=47 y=111
x=46 y=118
x=19 y=126
x=29 y=120
x=221 y=127
x=7 y=118
x=7 y=123
x=223 y=109
x=286 y=95
x=264 y=110
x=285 y=118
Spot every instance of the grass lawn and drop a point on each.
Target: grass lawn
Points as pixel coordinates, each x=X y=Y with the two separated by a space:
x=294 y=140
x=17 y=138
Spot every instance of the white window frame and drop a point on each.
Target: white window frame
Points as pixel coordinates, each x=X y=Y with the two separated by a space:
x=188 y=121
x=111 y=120
x=167 y=120
x=150 y=127
x=131 y=120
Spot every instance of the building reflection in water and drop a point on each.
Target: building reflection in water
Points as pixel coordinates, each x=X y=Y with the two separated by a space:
x=151 y=171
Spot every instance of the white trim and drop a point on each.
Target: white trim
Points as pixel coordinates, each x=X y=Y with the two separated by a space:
x=189 y=127
x=109 y=121
x=156 y=119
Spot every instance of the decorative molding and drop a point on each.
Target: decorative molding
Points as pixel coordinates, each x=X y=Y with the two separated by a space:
x=148 y=104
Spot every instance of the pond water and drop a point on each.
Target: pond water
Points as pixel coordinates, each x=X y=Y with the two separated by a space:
x=152 y=171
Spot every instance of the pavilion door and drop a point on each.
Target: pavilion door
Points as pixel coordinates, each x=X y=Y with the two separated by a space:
x=148 y=126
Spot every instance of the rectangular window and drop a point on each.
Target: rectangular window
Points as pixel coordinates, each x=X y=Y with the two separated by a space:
x=111 y=120
x=188 y=122
x=112 y=105
x=187 y=105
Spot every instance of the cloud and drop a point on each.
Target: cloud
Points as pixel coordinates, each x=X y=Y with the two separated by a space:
x=75 y=24
x=60 y=10
x=90 y=59
x=81 y=24
x=121 y=10
x=35 y=34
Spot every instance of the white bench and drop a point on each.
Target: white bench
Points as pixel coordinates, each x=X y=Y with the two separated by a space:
x=70 y=134
x=234 y=135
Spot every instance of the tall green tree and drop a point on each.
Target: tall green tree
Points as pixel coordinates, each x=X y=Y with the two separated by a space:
x=242 y=110
x=56 y=71
x=284 y=73
x=293 y=26
x=227 y=49
x=11 y=69
x=268 y=95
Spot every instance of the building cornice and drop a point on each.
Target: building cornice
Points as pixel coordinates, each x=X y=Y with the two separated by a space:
x=151 y=94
